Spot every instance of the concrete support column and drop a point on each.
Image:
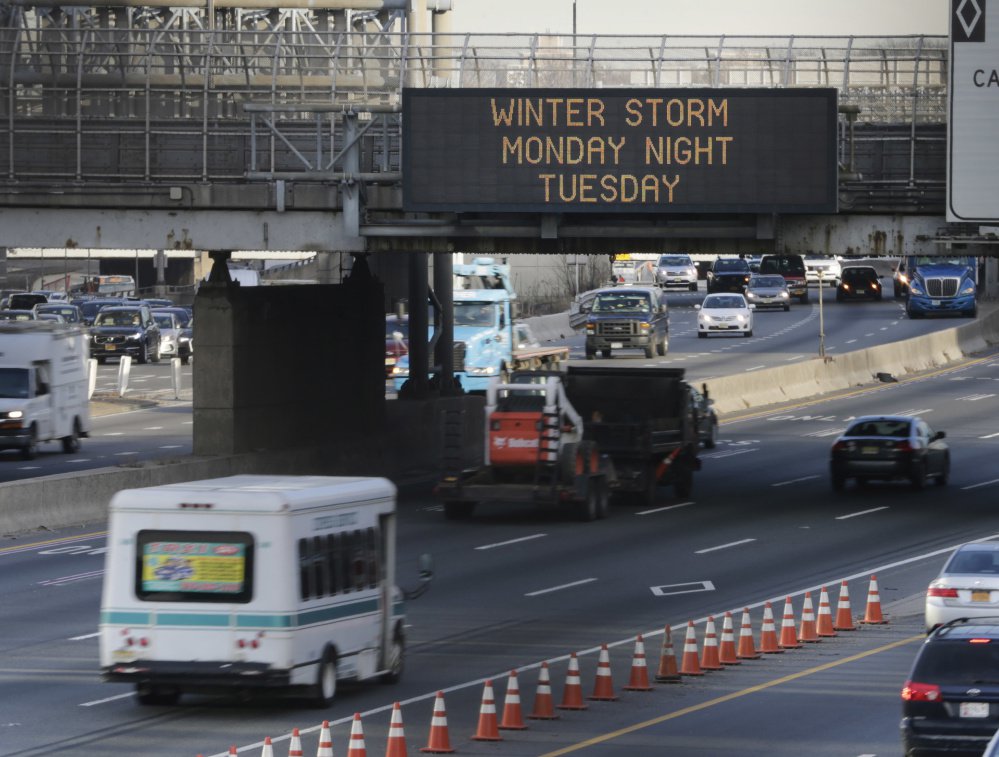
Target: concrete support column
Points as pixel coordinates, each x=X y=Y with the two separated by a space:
x=417 y=387
x=443 y=50
x=329 y=267
x=444 y=348
x=990 y=290
x=3 y=269
x=392 y=269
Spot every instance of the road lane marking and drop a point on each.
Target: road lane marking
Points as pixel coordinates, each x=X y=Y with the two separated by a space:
x=559 y=588
x=984 y=483
x=723 y=546
x=862 y=512
x=153 y=428
x=663 y=509
x=754 y=368
x=989 y=436
x=114 y=433
x=85 y=636
x=48 y=542
x=511 y=541
x=594 y=740
x=69 y=579
x=124 y=454
x=171 y=446
x=850 y=341
x=803 y=478
x=108 y=699
x=719 y=455
x=660 y=591
x=975 y=397
x=29 y=467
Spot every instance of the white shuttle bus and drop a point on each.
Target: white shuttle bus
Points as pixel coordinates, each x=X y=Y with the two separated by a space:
x=250 y=582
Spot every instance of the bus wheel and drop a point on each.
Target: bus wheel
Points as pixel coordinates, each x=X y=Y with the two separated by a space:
x=325 y=688
x=396 y=657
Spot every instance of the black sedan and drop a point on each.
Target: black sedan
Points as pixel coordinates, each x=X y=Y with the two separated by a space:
x=728 y=275
x=859 y=282
x=889 y=448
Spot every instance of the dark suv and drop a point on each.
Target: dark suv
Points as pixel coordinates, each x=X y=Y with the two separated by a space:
x=858 y=282
x=950 y=702
x=125 y=330
x=729 y=275
x=628 y=318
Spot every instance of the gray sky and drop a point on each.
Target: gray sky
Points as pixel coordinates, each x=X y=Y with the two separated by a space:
x=712 y=17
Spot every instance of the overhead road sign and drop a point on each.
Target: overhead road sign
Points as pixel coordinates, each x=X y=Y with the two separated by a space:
x=622 y=150
x=972 y=139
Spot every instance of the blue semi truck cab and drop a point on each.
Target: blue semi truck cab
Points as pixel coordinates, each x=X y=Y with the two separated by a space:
x=486 y=341
x=938 y=284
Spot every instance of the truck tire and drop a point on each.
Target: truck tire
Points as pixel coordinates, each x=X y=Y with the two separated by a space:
x=144 y=354
x=71 y=443
x=588 y=507
x=650 y=351
x=603 y=501
x=712 y=439
x=396 y=658
x=663 y=347
x=605 y=352
x=458 y=510
x=30 y=450
x=590 y=354
x=149 y=695
x=683 y=482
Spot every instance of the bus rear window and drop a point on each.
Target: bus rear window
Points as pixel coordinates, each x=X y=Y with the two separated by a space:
x=194 y=566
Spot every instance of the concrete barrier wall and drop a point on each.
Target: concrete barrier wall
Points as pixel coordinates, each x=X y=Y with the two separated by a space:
x=408 y=449
x=853 y=369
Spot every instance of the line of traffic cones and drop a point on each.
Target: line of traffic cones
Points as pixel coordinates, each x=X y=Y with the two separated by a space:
x=714 y=656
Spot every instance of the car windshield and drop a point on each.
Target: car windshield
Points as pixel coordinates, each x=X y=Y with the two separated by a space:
x=66 y=312
x=898 y=429
x=674 y=260
x=858 y=274
x=973 y=561
x=958 y=662
x=164 y=320
x=474 y=314
x=767 y=281
x=723 y=302
x=783 y=266
x=14 y=383
x=118 y=318
x=17 y=315
x=734 y=264
x=621 y=303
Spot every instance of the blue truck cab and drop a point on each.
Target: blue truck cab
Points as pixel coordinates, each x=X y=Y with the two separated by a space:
x=485 y=346
x=941 y=284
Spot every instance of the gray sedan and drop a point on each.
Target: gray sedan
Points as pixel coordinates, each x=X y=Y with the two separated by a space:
x=768 y=291
x=889 y=447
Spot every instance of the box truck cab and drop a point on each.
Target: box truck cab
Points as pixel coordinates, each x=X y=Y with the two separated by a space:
x=251 y=582
x=44 y=393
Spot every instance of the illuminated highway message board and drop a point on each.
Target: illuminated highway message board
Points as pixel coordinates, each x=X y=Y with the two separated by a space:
x=622 y=150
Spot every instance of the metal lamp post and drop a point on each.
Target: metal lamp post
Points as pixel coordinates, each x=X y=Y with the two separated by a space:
x=822 y=323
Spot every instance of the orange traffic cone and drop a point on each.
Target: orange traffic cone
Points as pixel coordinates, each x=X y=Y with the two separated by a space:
x=768 y=632
x=572 y=695
x=667 y=672
x=325 y=741
x=689 y=664
x=603 y=686
x=513 y=717
x=788 y=636
x=639 y=680
x=747 y=649
x=872 y=615
x=726 y=649
x=824 y=623
x=232 y=750
x=488 y=729
x=807 y=630
x=544 y=706
x=396 y=745
x=355 y=747
x=268 y=750
x=295 y=745
x=440 y=740
x=844 y=618
x=709 y=652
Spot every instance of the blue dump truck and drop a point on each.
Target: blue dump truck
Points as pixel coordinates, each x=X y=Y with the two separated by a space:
x=487 y=342
x=945 y=284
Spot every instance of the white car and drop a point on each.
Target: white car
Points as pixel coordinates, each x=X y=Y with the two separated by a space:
x=830 y=268
x=966 y=587
x=676 y=270
x=724 y=313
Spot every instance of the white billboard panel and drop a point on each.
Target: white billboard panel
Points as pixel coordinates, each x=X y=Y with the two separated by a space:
x=973 y=129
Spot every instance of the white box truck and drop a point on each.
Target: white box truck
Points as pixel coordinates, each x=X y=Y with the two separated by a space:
x=43 y=386
x=252 y=582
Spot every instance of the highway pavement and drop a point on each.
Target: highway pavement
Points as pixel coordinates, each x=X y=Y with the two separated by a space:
x=515 y=587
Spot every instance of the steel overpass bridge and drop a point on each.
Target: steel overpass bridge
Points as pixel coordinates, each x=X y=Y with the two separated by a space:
x=220 y=125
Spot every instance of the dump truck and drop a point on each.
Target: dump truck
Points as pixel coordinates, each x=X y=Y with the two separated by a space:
x=574 y=439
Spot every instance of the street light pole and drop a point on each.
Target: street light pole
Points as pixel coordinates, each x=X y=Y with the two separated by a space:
x=822 y=323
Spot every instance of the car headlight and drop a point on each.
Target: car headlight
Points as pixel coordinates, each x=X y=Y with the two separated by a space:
x=785 y=295
x=134 y=337
x=740 y=318
x=591 y=328
x=750 y=296
x=970 y=289
x=484 y=370
x=643 y=328
x=15 y=414
x=400 y=371
x=915 y=288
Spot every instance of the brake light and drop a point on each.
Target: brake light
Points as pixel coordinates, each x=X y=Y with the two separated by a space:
x=979 y=641
x=842 y=446
x=920 y=692
x=903 y=446
x=939 y=591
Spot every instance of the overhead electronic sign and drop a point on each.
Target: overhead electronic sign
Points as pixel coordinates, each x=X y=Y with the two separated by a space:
x=973 y=149
x=621 y=150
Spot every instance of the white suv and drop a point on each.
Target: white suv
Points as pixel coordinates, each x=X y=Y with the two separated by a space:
x=676 y=269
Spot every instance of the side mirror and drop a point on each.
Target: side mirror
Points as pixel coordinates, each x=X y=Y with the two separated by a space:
x=938 y=435
x=752 y=307
x=704 y=391
x=426 y=566
x=697 y=307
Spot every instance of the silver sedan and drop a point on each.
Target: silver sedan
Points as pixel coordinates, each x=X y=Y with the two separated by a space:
x=967 y=587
